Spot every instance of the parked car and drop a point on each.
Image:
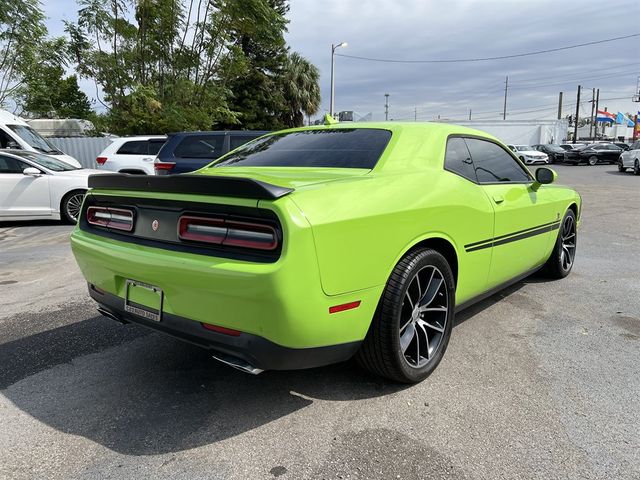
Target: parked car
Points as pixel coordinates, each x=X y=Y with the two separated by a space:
x=34 y=186
x=572 y=146
x=630 y=159
x=554 y=152
x=622 y=145
x=189 y=151
x=594 y=154
x=131 y=154
x=528 y=154
x=16 y=134
x=315 y=244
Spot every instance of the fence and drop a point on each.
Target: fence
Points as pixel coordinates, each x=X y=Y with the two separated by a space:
x=83 y=149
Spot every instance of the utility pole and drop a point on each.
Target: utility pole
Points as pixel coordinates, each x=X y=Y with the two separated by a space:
x=575 y=120
x=415 y=114
x=506 y=87
x=386 y=107
x=595 y=123
x=469 y=114
x=593 y=106
x=560 y=106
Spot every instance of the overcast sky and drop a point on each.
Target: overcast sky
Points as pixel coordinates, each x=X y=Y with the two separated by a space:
x=454 y=29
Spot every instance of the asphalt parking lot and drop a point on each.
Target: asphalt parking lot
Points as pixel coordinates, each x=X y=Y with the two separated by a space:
x=540 y=381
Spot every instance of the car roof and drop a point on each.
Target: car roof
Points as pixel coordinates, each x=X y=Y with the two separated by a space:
x=139 y=138
x=220 y=132
x=19 y=153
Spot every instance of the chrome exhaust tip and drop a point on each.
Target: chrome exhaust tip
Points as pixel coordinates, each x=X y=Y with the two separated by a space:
x=108 y=314
x=237 y=363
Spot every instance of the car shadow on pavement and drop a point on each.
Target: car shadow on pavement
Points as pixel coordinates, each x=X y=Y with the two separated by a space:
x=140 y=393
x=31 y=223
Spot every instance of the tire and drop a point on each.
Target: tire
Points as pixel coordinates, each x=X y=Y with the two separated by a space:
x=621 y=168
x=70 y=206
x=593 y=160
x=560 y=262
x=396 y=322
x=636 y=167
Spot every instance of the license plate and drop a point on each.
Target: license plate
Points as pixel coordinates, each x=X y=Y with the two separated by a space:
x=143 y=300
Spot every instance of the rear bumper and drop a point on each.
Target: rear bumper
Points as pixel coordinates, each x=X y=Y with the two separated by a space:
x=252 y=349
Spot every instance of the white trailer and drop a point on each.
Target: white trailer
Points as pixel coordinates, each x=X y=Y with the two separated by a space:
x=521 y=132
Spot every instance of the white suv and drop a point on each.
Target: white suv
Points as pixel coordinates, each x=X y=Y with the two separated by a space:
x=131 y=154
x=630 y=159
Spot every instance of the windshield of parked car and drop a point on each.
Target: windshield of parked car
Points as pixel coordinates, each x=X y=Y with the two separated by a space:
x=523 y=148
x=34 y=139
x=46 y=161
x=555 y=148
x=332 y=148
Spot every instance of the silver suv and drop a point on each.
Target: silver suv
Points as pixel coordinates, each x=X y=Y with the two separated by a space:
x=630 y=159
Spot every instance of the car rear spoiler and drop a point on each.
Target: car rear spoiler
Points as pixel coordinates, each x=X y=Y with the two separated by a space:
x=193 y=184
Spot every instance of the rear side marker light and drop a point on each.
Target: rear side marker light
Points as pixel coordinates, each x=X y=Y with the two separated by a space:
x=218 y=231
x=116 y=218
x=344 y=306
x=226 y=331
x=101 y=160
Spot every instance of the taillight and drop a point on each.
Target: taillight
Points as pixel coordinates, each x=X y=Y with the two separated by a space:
x=164 y=165
x=101 y=160
x=231 y=233
x=117 y=218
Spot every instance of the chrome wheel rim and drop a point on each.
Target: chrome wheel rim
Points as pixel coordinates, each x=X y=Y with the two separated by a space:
x=74 y=204
x=568 y=240
x=593 y=160
x=423 y=316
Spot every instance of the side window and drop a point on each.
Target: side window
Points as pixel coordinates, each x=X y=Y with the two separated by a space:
x=458 y=159
x=5 y=139
x=200 y=146
x=155 y=146
x=136 y=147
x=237 y=140
x=11 y=165
x=493 y=164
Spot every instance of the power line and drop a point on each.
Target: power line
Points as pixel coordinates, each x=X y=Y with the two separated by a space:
x=501 y=57
x=565 y=82
x=580 y=73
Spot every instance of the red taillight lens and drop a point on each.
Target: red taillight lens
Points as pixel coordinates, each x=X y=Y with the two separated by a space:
x=101 y=160
x=232 y=233
x=200 y=229
x=251 y=235
x=164 y=165
x=118 y=218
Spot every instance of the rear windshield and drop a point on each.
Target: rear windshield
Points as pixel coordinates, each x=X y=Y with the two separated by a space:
x=200 y=146
x=335 y=148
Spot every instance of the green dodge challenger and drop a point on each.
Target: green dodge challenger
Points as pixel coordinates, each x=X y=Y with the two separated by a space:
x=308 y=246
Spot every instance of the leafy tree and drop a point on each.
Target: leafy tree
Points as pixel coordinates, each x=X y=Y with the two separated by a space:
x=44 y=92
x=22 y=29
x=258 y=33
x=164 y=64
x=300 y=88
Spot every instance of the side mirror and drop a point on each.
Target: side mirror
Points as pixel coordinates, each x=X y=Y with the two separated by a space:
x=32 y=172
x=545 y=176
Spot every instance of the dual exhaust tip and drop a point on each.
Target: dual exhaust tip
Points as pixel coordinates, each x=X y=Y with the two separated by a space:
x=229 y=360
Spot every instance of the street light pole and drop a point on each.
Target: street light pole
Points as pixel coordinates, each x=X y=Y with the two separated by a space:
x=386 y=107
x=333 y=53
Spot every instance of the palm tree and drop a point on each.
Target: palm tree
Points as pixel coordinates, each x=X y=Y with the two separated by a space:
x=301 y=89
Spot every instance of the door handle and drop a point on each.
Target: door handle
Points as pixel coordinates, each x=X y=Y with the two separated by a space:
x=147 y=159
x=498 y=198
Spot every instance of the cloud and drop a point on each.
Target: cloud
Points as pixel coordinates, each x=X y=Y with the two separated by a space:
x=414 y=29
